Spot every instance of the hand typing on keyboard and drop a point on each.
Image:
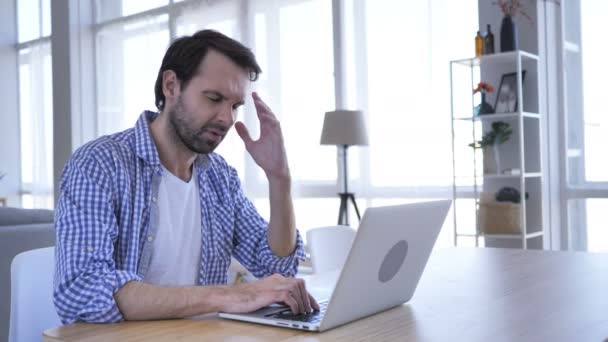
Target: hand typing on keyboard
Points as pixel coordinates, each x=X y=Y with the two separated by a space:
x=276 y=288
x=314 y=316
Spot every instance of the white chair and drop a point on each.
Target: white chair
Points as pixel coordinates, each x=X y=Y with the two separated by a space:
x=329 y=247
x=32 y=309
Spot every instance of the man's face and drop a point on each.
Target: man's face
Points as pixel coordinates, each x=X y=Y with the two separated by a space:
x=202 y=113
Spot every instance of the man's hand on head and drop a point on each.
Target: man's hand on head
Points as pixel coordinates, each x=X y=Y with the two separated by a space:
x=269 y=150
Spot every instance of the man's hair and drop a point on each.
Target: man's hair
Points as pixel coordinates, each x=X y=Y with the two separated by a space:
x=185 y=54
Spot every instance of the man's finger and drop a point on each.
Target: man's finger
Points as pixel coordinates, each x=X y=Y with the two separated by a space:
x=243 y=132
x=291 y=302
x=304 y=294
x=313 y=302
x=261 y=107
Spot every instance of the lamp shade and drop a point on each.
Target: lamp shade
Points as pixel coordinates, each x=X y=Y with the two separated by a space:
x=344 y=127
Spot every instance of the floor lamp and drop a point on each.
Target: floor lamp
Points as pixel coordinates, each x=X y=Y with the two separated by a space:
x=344 y=128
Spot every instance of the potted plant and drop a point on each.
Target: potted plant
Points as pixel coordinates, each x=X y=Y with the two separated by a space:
x=500 y=133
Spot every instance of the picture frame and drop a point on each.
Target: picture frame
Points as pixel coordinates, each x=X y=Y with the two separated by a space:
x=506 y=95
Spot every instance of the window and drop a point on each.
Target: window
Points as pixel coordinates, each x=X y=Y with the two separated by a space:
x=33 y=19
x=299 y=81
x=402 y=82
x=587 y=127
x=128 y=57
x=35 y=103
x=594 y=70
x=408 y=51
x=590 y=213
x=397 y=71
x=298 y=86
x=108 y=10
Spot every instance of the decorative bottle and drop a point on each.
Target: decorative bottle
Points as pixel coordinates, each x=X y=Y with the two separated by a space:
x=488 y=42
x=478 y=44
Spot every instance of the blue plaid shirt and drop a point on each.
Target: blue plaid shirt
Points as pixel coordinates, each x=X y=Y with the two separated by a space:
x=107 y=217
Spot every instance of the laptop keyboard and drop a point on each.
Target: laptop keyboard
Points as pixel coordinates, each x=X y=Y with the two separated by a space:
x=313 y=317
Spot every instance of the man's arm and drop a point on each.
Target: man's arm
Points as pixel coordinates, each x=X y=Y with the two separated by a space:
x=90 y=288
x=269 y=153
x=282 y=226
x=85 y=273
x=140 y=301
x=282 y=238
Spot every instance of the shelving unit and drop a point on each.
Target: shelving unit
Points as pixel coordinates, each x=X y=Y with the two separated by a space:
x=521 y=155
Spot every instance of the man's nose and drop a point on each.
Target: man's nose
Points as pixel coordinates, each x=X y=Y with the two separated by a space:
x=227 y=115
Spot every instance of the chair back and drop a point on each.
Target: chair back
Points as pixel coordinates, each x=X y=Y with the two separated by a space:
x=329 y=247
x=32 y=309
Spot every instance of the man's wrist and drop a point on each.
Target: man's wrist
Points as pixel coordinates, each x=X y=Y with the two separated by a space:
x=216 y=301
x=283 y=178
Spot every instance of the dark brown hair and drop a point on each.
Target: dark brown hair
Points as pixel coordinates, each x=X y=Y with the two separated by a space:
x=185 y=54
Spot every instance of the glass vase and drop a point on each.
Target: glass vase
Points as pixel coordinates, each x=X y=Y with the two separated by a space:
x=508 y=35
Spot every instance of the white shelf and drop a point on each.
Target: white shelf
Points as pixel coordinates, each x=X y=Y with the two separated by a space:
x=511 y=236
x=502 y=57
x=502 y=176
x=498 y=116
x=523 y=153
x=502 y=236
x=467 y=235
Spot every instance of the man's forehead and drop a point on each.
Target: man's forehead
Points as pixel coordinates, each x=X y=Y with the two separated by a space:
x=217 y=72
x=233 y=89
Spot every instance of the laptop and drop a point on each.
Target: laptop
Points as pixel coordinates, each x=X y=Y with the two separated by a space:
x=382 y=270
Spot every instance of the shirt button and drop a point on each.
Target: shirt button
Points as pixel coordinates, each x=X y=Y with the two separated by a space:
x=154 y=199
x=150 y=238
x=90 y=248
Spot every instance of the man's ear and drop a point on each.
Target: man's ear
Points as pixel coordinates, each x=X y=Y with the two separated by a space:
x=171 y=85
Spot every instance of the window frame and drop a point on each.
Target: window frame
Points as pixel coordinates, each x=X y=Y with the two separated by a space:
x=26 y=189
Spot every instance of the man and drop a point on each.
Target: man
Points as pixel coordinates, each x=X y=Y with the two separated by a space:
x=148 y=218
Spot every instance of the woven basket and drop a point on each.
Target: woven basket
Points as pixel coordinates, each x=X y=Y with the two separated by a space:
x=498 y=217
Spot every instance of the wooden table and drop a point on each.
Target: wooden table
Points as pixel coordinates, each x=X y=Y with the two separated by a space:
x=464 y=295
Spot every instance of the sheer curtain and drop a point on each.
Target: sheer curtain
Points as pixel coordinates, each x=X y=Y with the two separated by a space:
x=35 y=102
x=293 y=41
x=36 y=116
x=409 y=45
x=398 y=72
x=128 y=56
x=585 y=70
x=397 y=63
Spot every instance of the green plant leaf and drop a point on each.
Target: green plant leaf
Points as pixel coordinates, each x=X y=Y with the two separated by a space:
x=500 y=133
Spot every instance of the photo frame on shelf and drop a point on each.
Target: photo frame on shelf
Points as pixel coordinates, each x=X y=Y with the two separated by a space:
x=506 y=95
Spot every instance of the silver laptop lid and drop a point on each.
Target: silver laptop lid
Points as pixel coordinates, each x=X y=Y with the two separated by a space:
x=386 y=261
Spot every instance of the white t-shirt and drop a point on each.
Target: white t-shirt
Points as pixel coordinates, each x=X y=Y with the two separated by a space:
x=176 y=253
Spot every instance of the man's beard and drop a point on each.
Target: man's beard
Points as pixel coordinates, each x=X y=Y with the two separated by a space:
x=193 y=139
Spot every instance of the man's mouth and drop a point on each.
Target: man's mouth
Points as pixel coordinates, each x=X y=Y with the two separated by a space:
x=215 y=133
